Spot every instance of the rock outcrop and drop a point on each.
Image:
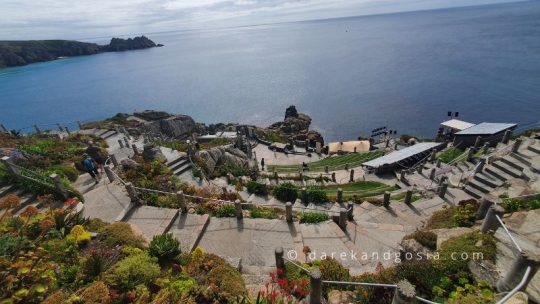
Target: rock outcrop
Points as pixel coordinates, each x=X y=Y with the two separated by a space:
x=175 y=126
x=225 y=156
x=151 y=153
x=295 y=126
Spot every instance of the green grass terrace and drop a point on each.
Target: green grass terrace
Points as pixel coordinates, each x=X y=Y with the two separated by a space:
x=334 y=163
x=360 y=189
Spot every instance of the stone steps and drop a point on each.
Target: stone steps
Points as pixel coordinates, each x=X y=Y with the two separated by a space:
x=521 y=158
x=189 y=229
x=534 y=149
x=496 y=172
x=479 y=186
x=510 y=170
x=108 y=134
x=473 y=192
x=29 y=200
x=152 y=221
x=488 y=179
x=184 y=168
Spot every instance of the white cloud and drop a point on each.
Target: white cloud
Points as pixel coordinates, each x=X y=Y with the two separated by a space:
x=31 y=19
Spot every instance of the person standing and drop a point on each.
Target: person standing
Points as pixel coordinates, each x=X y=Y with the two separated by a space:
x=97 y=154
x=91 y=167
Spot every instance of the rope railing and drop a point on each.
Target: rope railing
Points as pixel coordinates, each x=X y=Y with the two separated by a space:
x=508 y=233
x=296 y=264
x=359 y=284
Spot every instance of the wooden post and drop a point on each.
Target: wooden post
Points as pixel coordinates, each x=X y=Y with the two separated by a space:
x=326 y=169
x=110 y=174
x=343 y=218
x=280 y=261
x=339 y=195
x=239 y=214
x=351 y=177
x=517 y=270
x=58 y=185
x=402 y=175
x=405 y=293
x=288 y=212
x=131 y=192
x=420 y=168
x=480 y=166
x=438 y=163
x=333 y=177
x=432 y=156
x=470 y=153
x=483 y=208
x=316 y=286
x=408 y=197
x=182 y=201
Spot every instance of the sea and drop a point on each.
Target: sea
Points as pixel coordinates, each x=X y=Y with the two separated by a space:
x=401 y=71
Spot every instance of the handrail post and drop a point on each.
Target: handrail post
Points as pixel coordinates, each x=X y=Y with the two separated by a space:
x=490 y=221
x=470 y=153
x=485 y=148
x=238 y=206
x=280 y=261
x=420 y=168
x=339 y=195
x=438 y=163
x=405 y=293
x=109 y=173
x=477 y=141
x=480 y=166
x=114 y=160
x=304 y=197
x=316 y=286
x=432 y=174
x=351 y=177
x=517 y=270
x=485 y=204
x=506 y=136
x=131 y=192
x=516 y=145
x=408 y=197
x=386 y=199
x=443 y=189
x=121 y=143
x=432 y=156
x=135 y=149
x=126 y=141
x=350 y=209
x=343 y=218
x=58 y=185
x=181 y=201
x=288 y=212
x=333 y=177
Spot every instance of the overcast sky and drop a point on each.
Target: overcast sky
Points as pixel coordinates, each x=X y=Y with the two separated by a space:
x=79 y=19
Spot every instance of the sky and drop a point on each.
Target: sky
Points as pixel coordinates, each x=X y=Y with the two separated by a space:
x=85 y=19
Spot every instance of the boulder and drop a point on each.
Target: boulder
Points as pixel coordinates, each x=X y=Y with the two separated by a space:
x=225 y=156
x=151 y=153
x=151 y=115
x=128 y=163
x=341 y=297
x=295 y=126
x=177 y=126
x=414 y=247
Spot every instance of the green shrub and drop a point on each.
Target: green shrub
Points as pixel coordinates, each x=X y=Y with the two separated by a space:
x=120 y=234
x=67 y=171
x=286 y=192
x=260 y=212
x=442 y=219
x=10 y=244
x=313 y=217
x=464 y=244
x=132 y=271
x=513 y=205
x=316 y=195
x=226 y=284
x=449 y=155
x=465 y=216
x=256 y=188
x=226 y=210
x=164 y=247
x=426 y=238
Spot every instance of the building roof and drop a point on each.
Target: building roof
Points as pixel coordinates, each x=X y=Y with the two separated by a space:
x=348 y=146
x=486 y=128
x=457 y=124
x=401 y=155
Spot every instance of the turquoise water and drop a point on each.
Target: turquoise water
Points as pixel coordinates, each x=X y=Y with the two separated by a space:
x=351 y=75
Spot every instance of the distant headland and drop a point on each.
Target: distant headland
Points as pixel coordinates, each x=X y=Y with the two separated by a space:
x=19 y=53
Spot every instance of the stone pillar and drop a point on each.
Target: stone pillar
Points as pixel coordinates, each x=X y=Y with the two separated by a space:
x=343 y=215
x=181 y=201
x=114 y=160
x=351 y=177
x=442 y=190
x=304 y=195
x=470 y=153
x=517 y=270
x=405 y=293
x=478 y=141
x=131 y=192
x=350 y=211
x=386 y=199
x=79 y=124
x=315 y=281
x=38 y=130
x=432 y=174
x=438 y=163
x=59 y=186
x=121 y=143
x=506 y=137
x=135 y=150
x=333 y=177
x=480 y=166
x=109 y=173
x=408 y=197
x=490 y=221
x=516 y=145
x=433 y=155
x=126 y=141
x=239 y=214
x=483 y=208
x=339 y=195
x=288 y=212
x=280 y=261
x=12 y=169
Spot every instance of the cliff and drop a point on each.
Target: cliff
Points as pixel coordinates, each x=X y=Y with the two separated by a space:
x=19 y=53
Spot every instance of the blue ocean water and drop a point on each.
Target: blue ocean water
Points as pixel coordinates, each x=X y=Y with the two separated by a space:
x=403 y=71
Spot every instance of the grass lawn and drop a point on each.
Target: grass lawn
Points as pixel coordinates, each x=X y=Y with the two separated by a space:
x=360 y=189
x=449 y=155
x=337 y=162
x=401 y=197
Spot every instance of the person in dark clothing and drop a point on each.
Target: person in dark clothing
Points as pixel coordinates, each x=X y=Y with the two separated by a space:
x=262 y=164
x=91 y=167
x=96 y=153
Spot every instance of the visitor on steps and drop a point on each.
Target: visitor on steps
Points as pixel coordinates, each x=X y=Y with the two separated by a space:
x=90 y=166
x=95 y=152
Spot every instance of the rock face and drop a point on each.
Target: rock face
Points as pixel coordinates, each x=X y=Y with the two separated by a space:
x=341 y=297
x=151 y=153
x=295 y=126
x=223 y=157
x=175 y=126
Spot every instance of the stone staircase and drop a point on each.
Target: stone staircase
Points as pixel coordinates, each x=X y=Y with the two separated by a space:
x=26 y=199
x=179 y=165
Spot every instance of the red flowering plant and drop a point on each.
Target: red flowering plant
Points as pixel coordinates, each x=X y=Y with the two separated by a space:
x=282 y=290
